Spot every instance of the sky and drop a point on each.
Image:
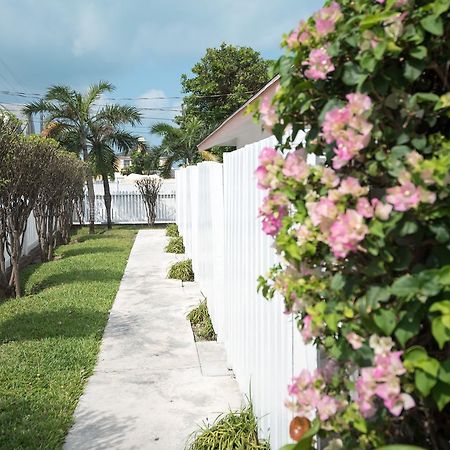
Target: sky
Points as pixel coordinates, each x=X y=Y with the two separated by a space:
x=141 y=46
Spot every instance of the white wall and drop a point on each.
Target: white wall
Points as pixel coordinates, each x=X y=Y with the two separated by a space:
x=217 y=208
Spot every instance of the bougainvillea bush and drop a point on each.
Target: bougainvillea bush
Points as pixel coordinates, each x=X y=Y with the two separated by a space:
x=364 y=237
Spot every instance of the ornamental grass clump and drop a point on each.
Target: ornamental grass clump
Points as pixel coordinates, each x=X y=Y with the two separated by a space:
x=365 y=238
x=175 y=245
x=172 y=230
x=201 y=323
x=235 y=430
x=182 y=270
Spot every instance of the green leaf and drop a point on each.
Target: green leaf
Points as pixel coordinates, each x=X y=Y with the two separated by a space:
x=424 y=382
x=368 y=62
x=413 y=69
x=433 y=25
x=440 y=331
x=441 y=395
x=408 y=327
x=385 y=320
x=377 y=294
x=332 y=321
x=440 y=6
x=288 y=447
x=444 y=372
x=337 y=282
x=405 y=286
x=352 y=74
x=442 y=306
x=408 y=228
x=419 y=52
x=415 y=353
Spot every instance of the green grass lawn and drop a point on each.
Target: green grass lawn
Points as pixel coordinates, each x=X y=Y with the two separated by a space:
x=50 y=338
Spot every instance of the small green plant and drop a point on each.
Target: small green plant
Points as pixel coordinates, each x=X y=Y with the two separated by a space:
x=182 y=270
x=172 y=230
x=201 y=323
x=175 y=245
x=235 y=430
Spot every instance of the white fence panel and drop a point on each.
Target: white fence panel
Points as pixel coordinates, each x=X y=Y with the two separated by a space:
x=217 y=216
x=30 y=241
x=129 y=207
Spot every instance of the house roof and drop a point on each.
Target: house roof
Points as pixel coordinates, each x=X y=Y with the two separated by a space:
x=240 y=129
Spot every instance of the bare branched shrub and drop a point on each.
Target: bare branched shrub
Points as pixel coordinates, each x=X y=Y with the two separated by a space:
x=149 y=189
x=25 y=166
x=9 y=136
x=73 y=199
x=60 y=188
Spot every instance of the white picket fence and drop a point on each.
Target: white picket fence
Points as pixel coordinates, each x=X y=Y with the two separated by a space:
x=129 y=207
x=217 y=208
x=30 y=241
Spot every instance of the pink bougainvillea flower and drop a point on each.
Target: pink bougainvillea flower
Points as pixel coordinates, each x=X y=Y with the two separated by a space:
x=273 y=210
x=364 y=208
x=329 y=178
x=262 y=176
x=346 y=233
x=359 y=103
x=403 y=197
x=426 y=196
x=268 y=113
x=326 y=19
x=319 y=63
x=326 y=407
x=402 y=402
x=300 y=35
x=355 y=340
x=349 y=128
x=322 y=213
x=306 y=331
x=303 y=234
x=351 y=186
x=334 y=124
x=382 y=211
x=268 y=155
x=295 y=166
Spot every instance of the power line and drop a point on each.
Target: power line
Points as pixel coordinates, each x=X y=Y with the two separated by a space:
x=40 y=96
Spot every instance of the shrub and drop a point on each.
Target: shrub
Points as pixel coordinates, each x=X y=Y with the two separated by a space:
x=175 y=245
x=201 y=323
x=235 y=430
x=365 y=238
x=172 y=230
x=149 y=189
x=182 y=270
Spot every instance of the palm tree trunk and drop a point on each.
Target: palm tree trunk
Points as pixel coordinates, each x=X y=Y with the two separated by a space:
x=107 y=197
x=90 y=189
x=91 y=200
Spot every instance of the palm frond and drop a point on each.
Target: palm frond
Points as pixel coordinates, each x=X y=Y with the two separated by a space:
x=119 y=115
x=96 y=90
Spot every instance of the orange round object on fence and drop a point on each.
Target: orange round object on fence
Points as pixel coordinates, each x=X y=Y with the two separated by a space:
x=298 y=427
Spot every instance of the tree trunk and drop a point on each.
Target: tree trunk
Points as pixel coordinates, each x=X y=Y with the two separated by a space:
x=90 y=188
x=15 y=261
x=91 y=199
x=107 y=197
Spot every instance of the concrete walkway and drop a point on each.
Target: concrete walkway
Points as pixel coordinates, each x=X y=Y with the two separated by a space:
x=152 y=385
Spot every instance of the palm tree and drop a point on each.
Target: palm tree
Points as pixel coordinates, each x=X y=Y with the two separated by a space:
x=72 y=114
x=180 y=144
x=106 y=134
